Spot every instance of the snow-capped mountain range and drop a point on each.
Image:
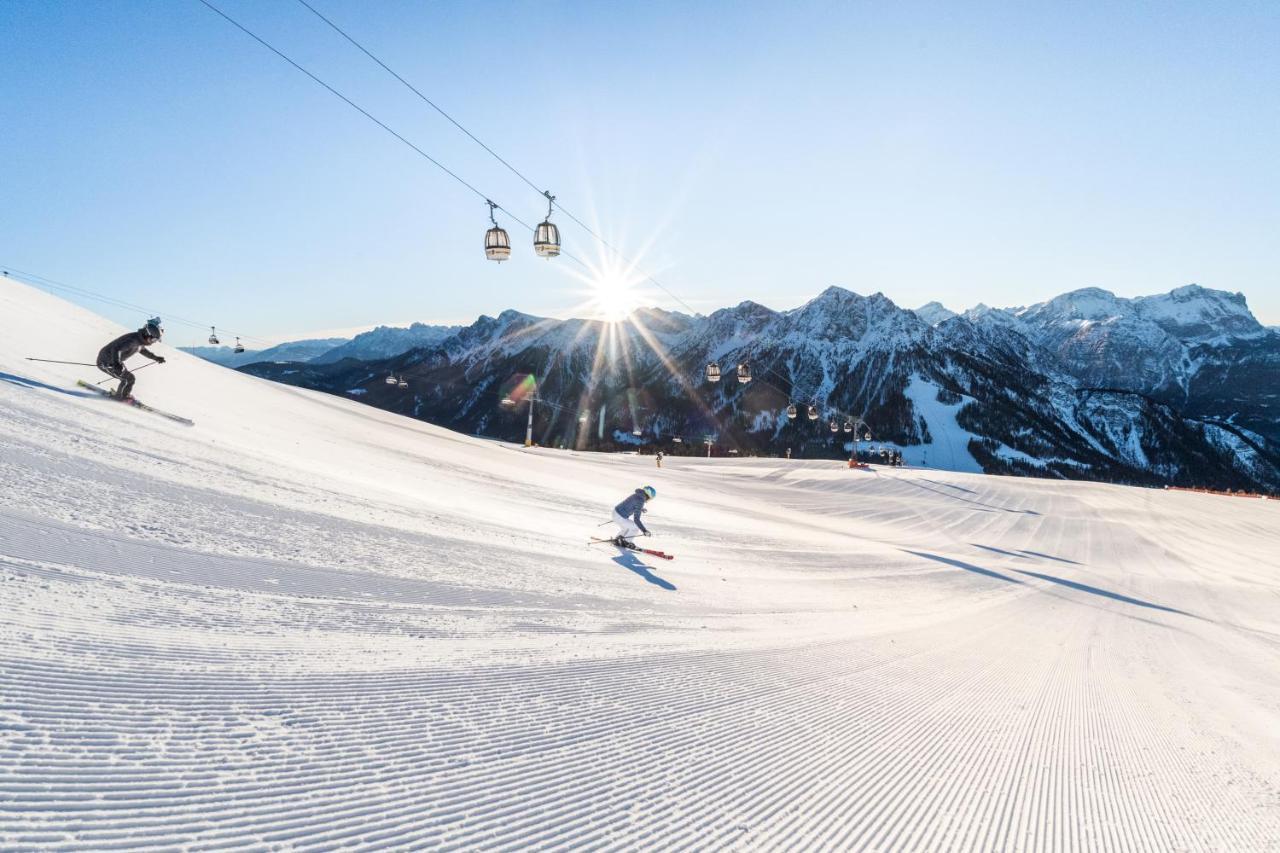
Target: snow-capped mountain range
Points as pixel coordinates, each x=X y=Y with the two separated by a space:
x=387 y=342
x=1172 y=388
x=304 y=350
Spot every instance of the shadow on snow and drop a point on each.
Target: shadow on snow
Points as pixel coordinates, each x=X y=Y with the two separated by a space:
x=1023 y=554
x=986 y=507
x=631 y=562
x=1070 y=584
x=24 y=382
x=1093 y=590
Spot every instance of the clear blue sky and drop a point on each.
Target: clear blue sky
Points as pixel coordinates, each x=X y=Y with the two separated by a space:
x=965 y=152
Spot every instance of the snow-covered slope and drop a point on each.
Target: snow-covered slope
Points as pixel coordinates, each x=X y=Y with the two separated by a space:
x=308 y=623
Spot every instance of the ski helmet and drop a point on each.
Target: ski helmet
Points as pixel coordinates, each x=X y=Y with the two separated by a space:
x=152 y=329
x=650 y=492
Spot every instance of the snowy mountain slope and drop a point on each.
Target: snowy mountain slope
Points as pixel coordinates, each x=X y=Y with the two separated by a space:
x=846 y=354
x=1158 y=345
x=307 y=623
x=303 y=350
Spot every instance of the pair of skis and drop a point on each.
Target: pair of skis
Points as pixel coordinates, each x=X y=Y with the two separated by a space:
x=631 y=546
x=137 y=405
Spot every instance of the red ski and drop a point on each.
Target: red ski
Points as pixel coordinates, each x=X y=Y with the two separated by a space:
x=631 y=546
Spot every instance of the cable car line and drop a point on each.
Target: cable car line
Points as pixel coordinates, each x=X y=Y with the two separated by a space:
x=493 y=205
x=635 y=266
x=359 y=109
x=424 y=98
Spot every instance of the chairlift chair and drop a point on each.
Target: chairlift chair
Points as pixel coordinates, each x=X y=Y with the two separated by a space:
x=848 y=426
x=744 y=373
x=637 y=432
x=813 y=413
x=213 y=337
x=391 y=379
x=497 y=245
x=792 y=412
x=403 y=383
x=239 y=347
x=713 y=372
x=835 y=427
x=546 y=237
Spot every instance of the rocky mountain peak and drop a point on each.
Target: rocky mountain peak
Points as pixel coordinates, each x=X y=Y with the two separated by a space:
x=934 y=313
x=1192 y=312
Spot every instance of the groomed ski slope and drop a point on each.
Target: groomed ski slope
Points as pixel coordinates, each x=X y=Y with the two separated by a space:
x=306 y=623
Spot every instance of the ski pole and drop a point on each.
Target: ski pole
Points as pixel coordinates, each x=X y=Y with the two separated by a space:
x=111 y=378
x=55 y=361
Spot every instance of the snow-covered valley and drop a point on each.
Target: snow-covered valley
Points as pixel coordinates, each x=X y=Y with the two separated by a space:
x=309 y=623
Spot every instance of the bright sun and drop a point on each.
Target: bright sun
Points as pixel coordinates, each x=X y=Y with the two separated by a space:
x=613 y=297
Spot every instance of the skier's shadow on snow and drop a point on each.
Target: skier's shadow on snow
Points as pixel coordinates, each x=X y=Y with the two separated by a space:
x=632 y=562
x=24 y=382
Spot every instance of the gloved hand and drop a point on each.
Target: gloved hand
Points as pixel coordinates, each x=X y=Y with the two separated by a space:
x=647 y=533
x=159 y=359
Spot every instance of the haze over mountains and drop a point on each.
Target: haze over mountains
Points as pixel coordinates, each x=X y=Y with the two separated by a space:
x=1175 y=388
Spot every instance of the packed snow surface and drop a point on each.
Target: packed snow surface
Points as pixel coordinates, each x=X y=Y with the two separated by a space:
x=308 y=623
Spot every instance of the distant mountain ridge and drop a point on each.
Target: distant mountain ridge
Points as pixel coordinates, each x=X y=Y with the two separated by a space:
x=303 y=350
x=1171 y=388
x=387 y=342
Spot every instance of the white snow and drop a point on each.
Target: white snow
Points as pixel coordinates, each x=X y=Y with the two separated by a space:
x=949 y=447
x=308 y=623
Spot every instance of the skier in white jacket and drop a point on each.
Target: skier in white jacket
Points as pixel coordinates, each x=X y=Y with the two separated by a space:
x=626 y=515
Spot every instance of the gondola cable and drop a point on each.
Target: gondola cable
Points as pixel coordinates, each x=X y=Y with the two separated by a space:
x=600 y=239
x=487 y=200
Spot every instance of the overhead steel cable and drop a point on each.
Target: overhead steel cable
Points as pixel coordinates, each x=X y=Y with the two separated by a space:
x=251 y=34
x=417 y=92
x=382 y=125
x=600 y=239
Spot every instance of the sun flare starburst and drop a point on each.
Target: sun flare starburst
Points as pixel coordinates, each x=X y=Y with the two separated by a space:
x=613 y=297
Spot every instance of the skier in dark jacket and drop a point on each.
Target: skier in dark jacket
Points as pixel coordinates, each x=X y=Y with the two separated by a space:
x=112 y=357
x=627 y=515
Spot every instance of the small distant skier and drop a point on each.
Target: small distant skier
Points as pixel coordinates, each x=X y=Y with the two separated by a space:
x=112 y=357
x=659 y=458
x=626 y=516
